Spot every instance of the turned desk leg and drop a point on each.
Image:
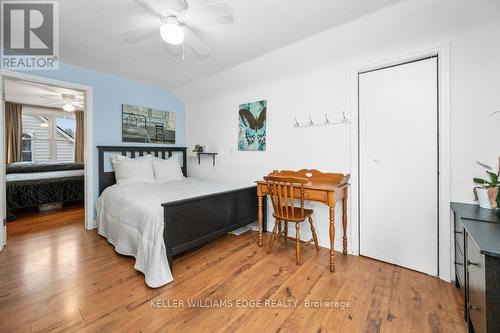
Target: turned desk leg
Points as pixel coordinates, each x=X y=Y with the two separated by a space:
x=259 y=198
x=332 y=238
x=344 y=221
x=286 y=230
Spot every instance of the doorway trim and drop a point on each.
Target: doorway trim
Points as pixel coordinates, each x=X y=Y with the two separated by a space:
x=88 y=140
x=445 y=269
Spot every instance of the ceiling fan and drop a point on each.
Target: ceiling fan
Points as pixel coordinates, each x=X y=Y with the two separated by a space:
x=68 y=102
x=174 y=20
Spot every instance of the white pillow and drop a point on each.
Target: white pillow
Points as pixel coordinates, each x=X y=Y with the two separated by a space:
x=133 y=170
x=167 y=170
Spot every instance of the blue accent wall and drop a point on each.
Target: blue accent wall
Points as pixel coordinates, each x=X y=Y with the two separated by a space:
x=109 y=93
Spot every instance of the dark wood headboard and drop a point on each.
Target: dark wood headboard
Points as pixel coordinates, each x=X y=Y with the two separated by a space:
x=108 y=178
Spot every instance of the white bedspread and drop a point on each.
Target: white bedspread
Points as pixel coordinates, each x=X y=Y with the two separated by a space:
x=131 y=218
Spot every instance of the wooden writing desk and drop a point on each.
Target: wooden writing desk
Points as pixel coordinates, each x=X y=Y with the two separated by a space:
x=324 y=188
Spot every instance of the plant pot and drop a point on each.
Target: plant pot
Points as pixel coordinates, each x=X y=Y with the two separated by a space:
x=487 y=197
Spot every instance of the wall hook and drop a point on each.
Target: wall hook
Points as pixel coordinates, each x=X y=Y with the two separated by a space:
x=296 y=122
x=344 y=119
x=311 y=122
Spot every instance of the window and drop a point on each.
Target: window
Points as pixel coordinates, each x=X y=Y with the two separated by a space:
x=51 y=135
x=65 y=138
x=66 y=124
x=27 y=147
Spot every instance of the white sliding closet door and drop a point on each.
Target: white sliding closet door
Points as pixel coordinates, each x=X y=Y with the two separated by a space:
x=398 y=156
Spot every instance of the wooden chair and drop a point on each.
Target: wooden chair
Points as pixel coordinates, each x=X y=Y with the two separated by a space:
x=284 y=193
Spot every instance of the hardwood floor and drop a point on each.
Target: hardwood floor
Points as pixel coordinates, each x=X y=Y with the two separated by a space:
x=31 y=220
x=68 y=279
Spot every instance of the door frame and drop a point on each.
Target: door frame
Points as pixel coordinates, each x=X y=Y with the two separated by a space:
x=88 y=141
x=444 y=228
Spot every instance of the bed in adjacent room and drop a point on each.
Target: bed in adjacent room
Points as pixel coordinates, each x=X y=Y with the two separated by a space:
x=30 y=184
x=154 y=214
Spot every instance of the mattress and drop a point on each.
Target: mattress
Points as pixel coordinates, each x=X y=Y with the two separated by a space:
x=32 y=176
x=131 y=218
x=31 y=167
x=28 y=189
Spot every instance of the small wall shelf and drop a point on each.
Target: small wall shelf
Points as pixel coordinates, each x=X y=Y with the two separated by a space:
x=209 y=154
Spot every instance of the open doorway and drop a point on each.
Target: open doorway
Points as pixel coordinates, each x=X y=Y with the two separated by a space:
x=46 y=164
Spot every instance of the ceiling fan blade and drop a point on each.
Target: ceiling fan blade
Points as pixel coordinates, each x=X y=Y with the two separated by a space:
x=33 y=96
x=199 y=3
x=137 y=35
x=52 y=97
x=196 y=43
x=210 y=21
x=217 y=9
x=55 y=103
x=150 y=6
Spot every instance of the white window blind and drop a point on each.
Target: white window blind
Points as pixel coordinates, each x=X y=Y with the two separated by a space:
x=52 y=134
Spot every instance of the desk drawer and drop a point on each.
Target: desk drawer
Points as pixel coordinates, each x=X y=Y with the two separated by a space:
x=476 y=287
x=316 y=195
x=459 y=234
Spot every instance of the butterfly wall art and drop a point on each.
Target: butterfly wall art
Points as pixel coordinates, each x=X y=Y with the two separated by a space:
x=252 y=119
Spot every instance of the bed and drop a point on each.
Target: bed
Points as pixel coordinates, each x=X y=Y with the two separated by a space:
x=155 y=222
x=30 y=184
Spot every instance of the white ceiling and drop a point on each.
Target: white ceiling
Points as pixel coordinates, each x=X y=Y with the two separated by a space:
x=90 y=35
x=27 y=93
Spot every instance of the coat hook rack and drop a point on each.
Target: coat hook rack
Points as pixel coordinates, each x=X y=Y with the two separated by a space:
x=309 y=122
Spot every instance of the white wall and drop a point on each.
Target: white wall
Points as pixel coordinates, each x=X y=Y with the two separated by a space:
x=313 y=76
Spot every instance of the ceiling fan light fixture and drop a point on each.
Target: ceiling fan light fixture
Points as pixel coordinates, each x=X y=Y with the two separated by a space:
x=69 y=108
x=172 y=33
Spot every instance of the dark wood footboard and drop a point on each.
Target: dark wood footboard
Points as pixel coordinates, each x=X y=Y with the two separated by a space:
x=196 y=221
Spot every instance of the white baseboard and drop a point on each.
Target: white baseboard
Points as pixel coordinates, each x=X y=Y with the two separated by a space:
x=93 y=225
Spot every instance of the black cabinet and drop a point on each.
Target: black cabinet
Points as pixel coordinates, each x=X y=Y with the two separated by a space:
x=476 y=287
x=477 y=265
x=460 y=264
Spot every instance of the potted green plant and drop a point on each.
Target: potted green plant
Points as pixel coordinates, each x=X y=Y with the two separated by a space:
x=197 y=149
x=487 y=191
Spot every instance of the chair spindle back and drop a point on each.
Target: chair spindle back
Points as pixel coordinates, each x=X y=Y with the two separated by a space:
x=283 y=192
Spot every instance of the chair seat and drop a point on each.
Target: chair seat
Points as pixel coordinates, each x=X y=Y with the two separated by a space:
x=296 y=214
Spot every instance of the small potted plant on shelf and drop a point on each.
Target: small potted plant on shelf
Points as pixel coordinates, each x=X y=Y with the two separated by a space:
x=197 y=149
x=487 y=191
